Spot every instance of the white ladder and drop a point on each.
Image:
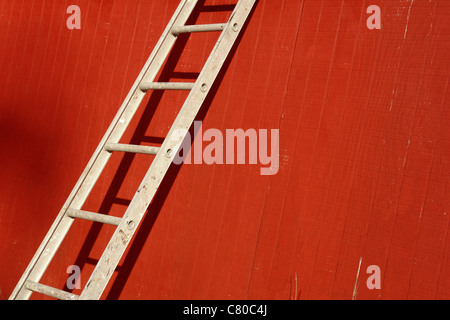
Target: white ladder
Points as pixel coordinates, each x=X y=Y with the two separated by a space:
x=127 y=225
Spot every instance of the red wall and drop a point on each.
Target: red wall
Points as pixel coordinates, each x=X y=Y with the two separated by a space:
x=364 y=149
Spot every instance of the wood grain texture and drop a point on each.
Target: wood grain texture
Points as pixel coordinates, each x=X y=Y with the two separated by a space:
x=364 y=149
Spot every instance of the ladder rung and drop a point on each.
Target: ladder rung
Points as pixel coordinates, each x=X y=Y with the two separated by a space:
x=110 y=147
x=96 y=217
x=145 y=86
x=49 y=291
x=198 y=28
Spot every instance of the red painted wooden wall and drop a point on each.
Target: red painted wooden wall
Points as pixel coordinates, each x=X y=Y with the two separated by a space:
x=364 y=149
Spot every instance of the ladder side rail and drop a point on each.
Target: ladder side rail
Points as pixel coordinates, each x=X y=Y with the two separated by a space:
x=144 y=195
x=95 y=166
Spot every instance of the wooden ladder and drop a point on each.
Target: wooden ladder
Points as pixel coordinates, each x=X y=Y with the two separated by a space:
x=127 y=225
